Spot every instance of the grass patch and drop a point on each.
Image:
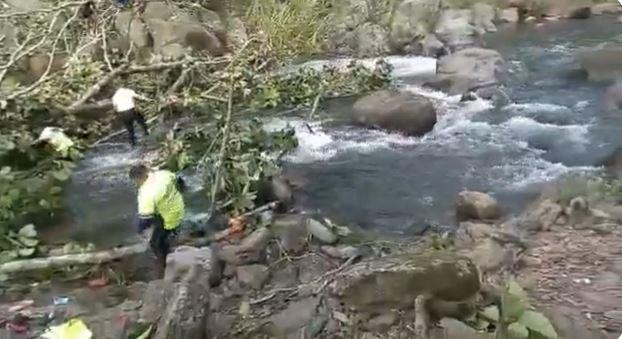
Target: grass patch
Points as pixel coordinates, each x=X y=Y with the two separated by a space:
x=292 y=28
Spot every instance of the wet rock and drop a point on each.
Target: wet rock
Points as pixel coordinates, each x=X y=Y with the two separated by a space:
x=473 y=205
x=138 y=33
x=542 y=216
x=285 y=275
x=239 y=255
x=181 y=261
x=410 y=22
x=295 y=316
x=580 y=13
x=343 y=252
x=371 y=40
x=483 y=17
x=601 y=63
x=291 y=231
x=320 y=232
x=394 y=282
x=469 y=233
x=606 y=8
x=613 y=162
x=312 y=268
x=180 y=304
x=170 y=31
x=469 y=70
x=278 y=189
x=253 y=276
x=220 y=324
x=455 y=30
x=431 y=46
x=258 y=239
x=490 y=256
x=394 y=111
x=509 y=15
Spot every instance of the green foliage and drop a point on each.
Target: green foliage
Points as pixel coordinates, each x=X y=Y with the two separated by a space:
x=23 y=243
x=250 y=156
x=595 y=189
x=292 y=28
x=515 y=316
x=302 y=87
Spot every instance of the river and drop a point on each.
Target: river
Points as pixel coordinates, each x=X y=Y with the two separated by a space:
x=553 y=125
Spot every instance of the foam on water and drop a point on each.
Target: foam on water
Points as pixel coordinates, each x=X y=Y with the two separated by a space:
x=527 y=129
x=403 y=66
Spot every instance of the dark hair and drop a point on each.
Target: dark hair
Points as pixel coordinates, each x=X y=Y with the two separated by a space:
x=139 y=171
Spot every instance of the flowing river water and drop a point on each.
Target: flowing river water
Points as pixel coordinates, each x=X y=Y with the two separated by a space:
x=554 y=124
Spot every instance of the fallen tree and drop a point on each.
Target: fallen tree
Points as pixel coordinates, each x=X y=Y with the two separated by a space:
x=94 y=258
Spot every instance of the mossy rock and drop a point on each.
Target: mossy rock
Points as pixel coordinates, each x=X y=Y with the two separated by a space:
x=395 y=282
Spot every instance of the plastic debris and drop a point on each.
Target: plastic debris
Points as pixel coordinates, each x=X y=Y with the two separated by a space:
x=72 y=329
x=61 y=301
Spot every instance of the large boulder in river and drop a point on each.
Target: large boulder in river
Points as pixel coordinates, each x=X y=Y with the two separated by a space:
x=469 y=70
x=473 y=205
x=402 y=112
x=613 y=163
x=394 y=282
x=601 y=63
x=612 y=98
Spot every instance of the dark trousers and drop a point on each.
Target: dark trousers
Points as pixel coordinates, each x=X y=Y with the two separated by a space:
x=160 y=242
x=128 y=117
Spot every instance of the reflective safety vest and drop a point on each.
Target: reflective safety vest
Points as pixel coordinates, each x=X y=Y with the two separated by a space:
x=159 y=195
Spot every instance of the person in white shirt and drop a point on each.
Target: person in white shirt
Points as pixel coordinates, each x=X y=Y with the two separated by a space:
x=123 y=102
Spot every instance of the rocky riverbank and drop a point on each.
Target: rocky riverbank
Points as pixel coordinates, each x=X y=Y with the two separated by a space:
x=295 y=275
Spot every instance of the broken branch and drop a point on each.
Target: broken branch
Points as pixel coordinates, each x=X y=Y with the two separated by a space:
x=17 y=266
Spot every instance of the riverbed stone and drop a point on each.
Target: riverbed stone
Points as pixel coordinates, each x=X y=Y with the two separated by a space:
x=606 y=8
x=509 y=15
x=455 y=30
x=320 y=231
x=184 y=259
x=371 y=40
x=542 y=215
x=472 y=205
x=394 y=282
x=407 y=113
x=469 y=70
x=276 y=188
x=469 y=233
x=295 y=316
x=483 y=16
x=601 y=63
x=253 y=276
x=291 y=231
x=490 y=256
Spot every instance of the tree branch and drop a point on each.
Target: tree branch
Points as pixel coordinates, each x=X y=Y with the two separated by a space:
x=93 y=90
x=39 y=11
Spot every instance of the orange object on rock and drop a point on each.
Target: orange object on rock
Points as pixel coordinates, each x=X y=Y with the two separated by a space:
x=237 y=224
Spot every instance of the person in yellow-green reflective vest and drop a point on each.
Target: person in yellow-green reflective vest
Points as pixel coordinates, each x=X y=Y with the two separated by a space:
x=161 y=206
